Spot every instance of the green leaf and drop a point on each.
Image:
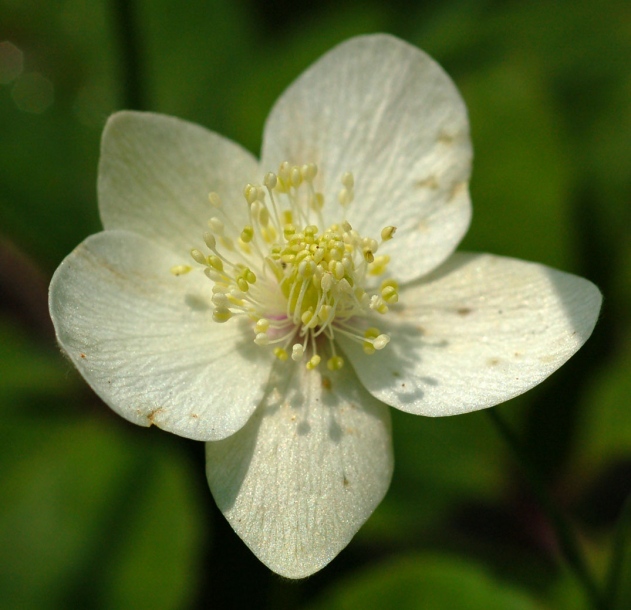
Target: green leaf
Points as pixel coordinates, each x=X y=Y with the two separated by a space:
x=520 y=185
x=605 y=433
x=425 y=582
x=440 y=463
x=94 y=516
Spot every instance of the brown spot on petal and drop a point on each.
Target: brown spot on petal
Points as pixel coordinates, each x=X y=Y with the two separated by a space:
x=456 y=191
x=444 y=137
x=151 y=416
x=464 y=311
x=493 y=361
x=82 y=355
x=431 y=182
x=326 y=383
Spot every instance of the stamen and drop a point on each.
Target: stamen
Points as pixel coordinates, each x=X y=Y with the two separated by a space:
x=291 y=279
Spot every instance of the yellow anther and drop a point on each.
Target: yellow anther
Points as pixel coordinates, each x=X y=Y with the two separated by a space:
x=284 y=171
x=216 y=226
x=348 y=180
x=263 y=215
x=313 y=362
x=261 y=339
x=250 y=193
x=318 y=255
x=247 y=234
x=281 y=354
x=288 y=231
x=198 y=256
x=270 y=180
x=180 y=269
x=209 y=240
x=335 y=363
x=345 y=197
x=221 y=314
x=269 y=234
x=324 y=313
x=387 y=233
x=215 y=262
x=372 y=332
x=390 y=295
x=262 y=325
x=379 y=265
x=306 y=268
x=295 y=177
x=381 y=341
x=317 y=201
x=242 y=284
x=297 y=352
x=214 y=199
x=309 y=172
x=220 y=299
x=369 y=257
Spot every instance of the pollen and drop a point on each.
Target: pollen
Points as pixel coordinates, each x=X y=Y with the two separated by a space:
x=298 y=282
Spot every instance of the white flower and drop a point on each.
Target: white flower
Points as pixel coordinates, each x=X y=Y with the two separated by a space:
x=275 y=319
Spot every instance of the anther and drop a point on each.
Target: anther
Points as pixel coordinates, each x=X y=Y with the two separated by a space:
x=214 y=199
x=216 y=226
x=180 y=269
x=222 y=314
x=387 y=233
x=198 y=256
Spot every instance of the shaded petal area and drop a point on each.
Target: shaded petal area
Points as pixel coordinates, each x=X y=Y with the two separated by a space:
x=146 y=342
x=479 y=330
x=306 y=471
x=386 y=111
x=155 y=174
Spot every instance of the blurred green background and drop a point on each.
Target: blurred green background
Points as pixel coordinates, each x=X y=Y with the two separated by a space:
x=97 y=513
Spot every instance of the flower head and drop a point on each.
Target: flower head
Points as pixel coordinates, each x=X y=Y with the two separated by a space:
x=275 y=308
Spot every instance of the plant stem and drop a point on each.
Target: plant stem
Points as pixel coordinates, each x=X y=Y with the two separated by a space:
x=621 y=540
x=128 y=33
x=566 y=539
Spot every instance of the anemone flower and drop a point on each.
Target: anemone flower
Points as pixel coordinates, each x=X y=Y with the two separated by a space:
x=277 y=308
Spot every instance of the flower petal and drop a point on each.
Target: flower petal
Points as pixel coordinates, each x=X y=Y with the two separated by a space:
x=156 y=172
x=306 y=471
x=386 y=111
x=480 y=330
x=146 y=342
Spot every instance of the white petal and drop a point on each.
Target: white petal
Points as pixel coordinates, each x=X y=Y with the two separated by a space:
x=478 y=331
x=306 y=471
x=146 y=342
x=155 y=175
x=384 y=110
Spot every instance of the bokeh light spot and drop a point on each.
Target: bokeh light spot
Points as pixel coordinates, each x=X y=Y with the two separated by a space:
x=11 y=62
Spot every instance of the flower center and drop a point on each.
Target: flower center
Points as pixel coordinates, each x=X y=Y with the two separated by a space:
x=298 y=285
